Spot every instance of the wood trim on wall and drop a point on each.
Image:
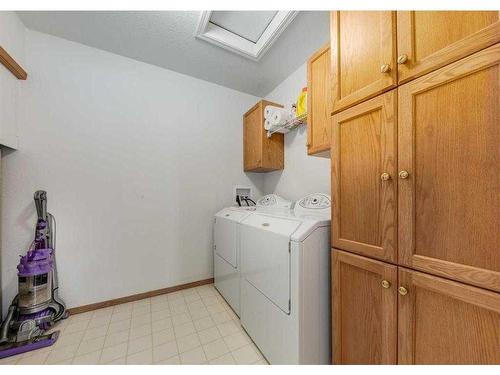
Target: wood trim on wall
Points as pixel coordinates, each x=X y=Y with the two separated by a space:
x=12 y=65
x=136 y=297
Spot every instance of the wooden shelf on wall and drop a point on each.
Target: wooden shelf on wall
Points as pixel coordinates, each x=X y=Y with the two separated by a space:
x=12 y=65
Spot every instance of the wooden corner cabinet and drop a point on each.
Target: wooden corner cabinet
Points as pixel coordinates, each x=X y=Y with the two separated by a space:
x=363 y=54
x=319 y=102
x=260 y=153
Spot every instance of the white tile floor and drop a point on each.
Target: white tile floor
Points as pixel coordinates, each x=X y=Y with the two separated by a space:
x=193 y=326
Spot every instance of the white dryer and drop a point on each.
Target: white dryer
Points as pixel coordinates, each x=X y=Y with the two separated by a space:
x=227 y=249
x=285 y=294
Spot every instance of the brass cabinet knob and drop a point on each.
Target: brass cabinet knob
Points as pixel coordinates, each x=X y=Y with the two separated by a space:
x=385 y=176
x=385 y=68
x=403 y=291
x=386 y=284
x=404 y=174
x=402 y=59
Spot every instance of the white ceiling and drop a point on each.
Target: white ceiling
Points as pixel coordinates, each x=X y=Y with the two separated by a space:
x=247 y=24
x=166 y=39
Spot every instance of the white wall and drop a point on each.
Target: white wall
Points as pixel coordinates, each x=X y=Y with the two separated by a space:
x=12 y=40
x=136 y=160
x=303 y=174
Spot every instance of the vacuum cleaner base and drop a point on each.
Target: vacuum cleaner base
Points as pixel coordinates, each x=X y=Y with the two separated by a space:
x=10 y=349
x=37 y=306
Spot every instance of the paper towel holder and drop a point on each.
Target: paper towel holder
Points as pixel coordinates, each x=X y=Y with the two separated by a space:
x=289 y=125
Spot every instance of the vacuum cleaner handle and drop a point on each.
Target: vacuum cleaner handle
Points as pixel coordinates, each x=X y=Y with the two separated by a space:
x=41 y=204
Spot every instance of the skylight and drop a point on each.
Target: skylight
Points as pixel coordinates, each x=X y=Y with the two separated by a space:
x=247 y=33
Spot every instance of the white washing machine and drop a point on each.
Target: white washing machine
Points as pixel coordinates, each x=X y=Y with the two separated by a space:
x=227 y=249
x=285 y=277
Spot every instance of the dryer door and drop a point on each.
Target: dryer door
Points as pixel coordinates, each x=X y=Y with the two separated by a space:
x=226 y=235
x=265 y=256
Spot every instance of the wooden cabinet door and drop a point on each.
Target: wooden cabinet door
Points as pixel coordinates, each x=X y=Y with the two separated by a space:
x=260 y=153
x=428 y=40
x=364 y=308
x=319 y=101
x=445 y=322
x=364 y=178
x=449 y=152
x=363 y=57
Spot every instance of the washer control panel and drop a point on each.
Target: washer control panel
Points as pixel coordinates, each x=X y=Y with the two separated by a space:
x=317 y=202
x=274 y=201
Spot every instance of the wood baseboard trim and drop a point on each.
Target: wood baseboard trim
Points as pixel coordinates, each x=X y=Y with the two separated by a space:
x=12 y=65
x=136 y=297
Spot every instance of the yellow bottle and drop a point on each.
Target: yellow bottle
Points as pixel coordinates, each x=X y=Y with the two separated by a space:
x=302 y=103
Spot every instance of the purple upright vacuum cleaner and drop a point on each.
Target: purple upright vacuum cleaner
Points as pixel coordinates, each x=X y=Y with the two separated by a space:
x=37 y=306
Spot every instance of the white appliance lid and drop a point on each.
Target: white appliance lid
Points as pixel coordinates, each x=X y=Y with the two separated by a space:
x=310 y=212
x=233 y=213
x=270 y=223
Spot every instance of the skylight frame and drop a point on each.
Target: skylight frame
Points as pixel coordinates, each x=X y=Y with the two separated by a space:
x=230 y=41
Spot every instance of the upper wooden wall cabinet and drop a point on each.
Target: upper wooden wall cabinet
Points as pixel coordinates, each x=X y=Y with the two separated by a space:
x=363 y=48
x=319 y=102
x=428 y=40
x=369 y=56
x=260 y=153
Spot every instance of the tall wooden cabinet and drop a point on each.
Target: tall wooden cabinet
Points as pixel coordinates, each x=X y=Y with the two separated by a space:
x=319 y=102
x=260 y=153
x=416 y=190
